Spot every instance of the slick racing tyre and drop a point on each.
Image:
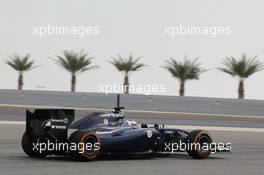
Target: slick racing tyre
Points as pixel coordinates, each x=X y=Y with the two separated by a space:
x=199 y=144
x=84 y=145
x=28 y=147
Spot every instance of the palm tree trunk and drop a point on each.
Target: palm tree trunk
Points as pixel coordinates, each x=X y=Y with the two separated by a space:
x=73 y=83
x=241 y=90
x=182 y=88
x=20 y=81
x=126 y=84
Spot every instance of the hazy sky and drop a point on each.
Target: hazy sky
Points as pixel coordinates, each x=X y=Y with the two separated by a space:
x=135 y=26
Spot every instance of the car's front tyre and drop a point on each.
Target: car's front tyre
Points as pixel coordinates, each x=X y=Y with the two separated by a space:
x=199 y=144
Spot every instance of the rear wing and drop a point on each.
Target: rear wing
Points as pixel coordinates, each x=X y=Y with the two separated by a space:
x=54 y=123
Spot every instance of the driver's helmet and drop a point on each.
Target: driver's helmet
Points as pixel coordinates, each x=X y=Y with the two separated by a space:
x=131 y=123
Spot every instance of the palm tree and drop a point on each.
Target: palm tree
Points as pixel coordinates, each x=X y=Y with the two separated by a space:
x=75 y=64
x=242 y=68
x=183 y=71
x=126 y=66
x=21 y=64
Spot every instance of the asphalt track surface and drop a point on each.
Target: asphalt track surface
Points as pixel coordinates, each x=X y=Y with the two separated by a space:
x=134 y=102
x=19 y=114
x=247 y=147
x=247 y=153
x=247 y=158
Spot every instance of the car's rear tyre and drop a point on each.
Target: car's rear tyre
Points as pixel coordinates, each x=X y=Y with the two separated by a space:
x=28 y=147
x=87 y=144
x=202 y=138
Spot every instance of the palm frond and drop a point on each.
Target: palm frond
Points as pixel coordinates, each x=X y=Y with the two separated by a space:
x=21 y=63
x=127 y=65
x=73 y=62
x=184 y=70
x=242 y=67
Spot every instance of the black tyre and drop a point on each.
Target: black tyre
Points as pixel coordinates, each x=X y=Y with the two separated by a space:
x=28 y=148
x=87 y=144
x=199 y=144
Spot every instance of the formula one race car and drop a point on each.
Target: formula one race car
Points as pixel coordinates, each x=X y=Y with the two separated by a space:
x=106 y=133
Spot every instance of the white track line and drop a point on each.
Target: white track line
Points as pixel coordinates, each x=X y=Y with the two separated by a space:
x=12 y=122
x=184 y=127
x=128 y=110
x=216 y=128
